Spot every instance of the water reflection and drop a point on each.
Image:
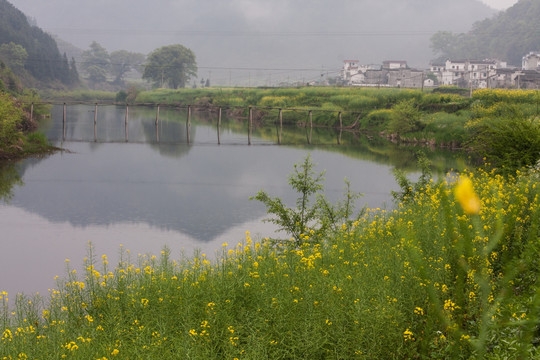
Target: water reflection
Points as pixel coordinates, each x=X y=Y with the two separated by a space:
x=158 y=189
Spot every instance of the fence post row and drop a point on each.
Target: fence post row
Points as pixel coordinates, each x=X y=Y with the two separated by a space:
x=188 y=123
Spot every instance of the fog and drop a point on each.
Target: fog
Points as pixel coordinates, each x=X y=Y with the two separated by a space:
x=262 y=42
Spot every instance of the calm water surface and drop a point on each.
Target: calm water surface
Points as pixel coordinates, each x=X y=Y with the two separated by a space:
x=158 y=190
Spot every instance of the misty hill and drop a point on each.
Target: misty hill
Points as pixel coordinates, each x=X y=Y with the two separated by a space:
x=508 y=36
x=43 y=60
x=237 y=40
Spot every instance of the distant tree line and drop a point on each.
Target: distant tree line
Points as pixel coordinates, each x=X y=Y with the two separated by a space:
x=508 y=36
x=172 y=66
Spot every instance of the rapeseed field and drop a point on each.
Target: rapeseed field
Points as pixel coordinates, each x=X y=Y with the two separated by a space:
x=450 y=272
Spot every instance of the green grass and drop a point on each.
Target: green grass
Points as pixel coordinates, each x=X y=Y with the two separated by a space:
x=431 y=279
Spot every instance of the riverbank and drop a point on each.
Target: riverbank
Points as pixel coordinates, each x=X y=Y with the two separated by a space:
x=451 y=273
x=442 y=117
x=17 y=139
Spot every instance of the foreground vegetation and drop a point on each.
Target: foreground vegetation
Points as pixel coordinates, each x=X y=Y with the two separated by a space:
x=450 y=273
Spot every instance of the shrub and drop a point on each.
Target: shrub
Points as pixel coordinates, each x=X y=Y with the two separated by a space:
x=508 y=142
x=405 y=118
x=10 y=122
x=377 y=119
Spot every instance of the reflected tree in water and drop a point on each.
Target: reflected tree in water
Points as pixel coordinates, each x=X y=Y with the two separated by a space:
x=9 y=177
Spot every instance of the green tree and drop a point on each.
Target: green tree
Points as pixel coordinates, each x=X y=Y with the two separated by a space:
x=14 y=56
x=309 y=220
x=172 y=64
x=123 y=61
x=73 y=72
x=96 y=63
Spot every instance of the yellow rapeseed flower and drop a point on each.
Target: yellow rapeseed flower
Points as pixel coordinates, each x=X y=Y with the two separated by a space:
x=408 y=335
x=466 y=196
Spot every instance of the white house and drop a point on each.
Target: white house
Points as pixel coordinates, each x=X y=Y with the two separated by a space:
x=350 y=68
x=531 y=61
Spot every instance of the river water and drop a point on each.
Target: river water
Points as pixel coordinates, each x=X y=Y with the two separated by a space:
x=157 y=189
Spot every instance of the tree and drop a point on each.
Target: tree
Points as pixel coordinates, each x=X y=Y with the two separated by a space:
x=14 y=56
x=172 y=64
x=73 y=73
x=123 y=61
x=96 y=63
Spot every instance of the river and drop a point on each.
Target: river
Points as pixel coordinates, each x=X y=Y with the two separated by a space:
x=158 y=189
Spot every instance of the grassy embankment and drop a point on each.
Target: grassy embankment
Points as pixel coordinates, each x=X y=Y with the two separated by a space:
x=16 y=137
x=450 y=273
x=440 y=118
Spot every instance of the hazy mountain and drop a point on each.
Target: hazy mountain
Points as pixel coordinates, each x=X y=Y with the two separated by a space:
x=508 y=36
x=261 y=34
x=43 y=60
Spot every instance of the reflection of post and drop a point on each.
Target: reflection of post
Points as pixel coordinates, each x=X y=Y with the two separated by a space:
x=126 y=121
x=219 y=127
x=64 y=123
x=95 y=123
x=339 y=137
x=250 y=124
x=188 y=124
x=157 y=124
x=280 y=125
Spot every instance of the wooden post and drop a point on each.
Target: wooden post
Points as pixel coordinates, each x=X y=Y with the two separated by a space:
x=64 y=123
x=280 y=125
x=340 y=128
x=250 y=124
x=126 y=122
x=310 y=115
x=188 y=124
x=219 y=127
x=31 y=111
x=95 y=123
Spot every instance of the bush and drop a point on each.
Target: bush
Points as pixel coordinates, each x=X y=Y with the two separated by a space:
x=507 y=142
x=377 y=119
x=405 y=118
x=10 y=122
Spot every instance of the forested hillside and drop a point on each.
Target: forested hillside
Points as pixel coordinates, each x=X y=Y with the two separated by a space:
x=508 y=36
x=29 y=51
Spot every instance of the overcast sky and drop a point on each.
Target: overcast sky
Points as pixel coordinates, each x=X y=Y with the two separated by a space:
x=500 y=4
x=238 y=42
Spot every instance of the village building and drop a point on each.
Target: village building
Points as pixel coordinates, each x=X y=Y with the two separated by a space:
x=473 y=74
x=531 y=61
